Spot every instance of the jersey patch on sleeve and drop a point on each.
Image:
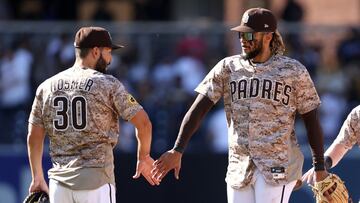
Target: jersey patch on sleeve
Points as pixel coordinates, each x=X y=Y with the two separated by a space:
x=131 y=99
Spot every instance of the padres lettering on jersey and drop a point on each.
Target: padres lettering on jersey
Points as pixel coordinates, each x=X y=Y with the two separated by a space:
x=260 y=102
x=264 y=88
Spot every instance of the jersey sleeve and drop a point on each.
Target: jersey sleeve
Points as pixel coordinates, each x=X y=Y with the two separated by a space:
x=350 y=130
x=212 y=85
x=307 y=98
x=36 y=116
x=125 y=104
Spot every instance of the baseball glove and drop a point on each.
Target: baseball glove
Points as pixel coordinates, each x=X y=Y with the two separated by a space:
x=332 y=182
x=37 y=197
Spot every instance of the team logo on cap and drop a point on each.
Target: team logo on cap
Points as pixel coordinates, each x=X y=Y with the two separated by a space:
x=245 y=18
x=266 y=25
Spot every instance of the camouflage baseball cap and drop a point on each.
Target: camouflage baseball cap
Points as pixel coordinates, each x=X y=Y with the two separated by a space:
x=89 y=37
x=257 y=20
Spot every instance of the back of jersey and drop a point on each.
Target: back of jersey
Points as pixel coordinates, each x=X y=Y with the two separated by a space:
x=79 y=109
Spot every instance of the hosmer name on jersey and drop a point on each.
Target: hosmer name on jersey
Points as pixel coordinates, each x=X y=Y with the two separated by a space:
x=68 y=85
x=263 y=88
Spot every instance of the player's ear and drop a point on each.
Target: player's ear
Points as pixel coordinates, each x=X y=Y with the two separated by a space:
x=268 y=36
x=95 y=51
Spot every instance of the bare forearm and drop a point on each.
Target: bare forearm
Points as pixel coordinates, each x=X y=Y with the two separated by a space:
x=35 y=142
x=143 y=130
x=188 y=127
x=144 y=136
x=35 y=158
x=192 y=121
x=336 y=153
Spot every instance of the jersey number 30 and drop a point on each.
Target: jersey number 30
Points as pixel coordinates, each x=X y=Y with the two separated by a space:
x=73 y=110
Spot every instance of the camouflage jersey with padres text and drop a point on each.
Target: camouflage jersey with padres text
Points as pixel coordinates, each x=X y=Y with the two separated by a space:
x=79 y=109
x=260 y=102
x=349 y=134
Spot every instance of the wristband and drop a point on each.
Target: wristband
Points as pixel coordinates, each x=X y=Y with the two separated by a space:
x=318 y=163
x=328 y=162
x=179 y=149
x=319 y=167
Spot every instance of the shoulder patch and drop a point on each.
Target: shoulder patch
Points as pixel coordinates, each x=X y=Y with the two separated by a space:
x=131 y=99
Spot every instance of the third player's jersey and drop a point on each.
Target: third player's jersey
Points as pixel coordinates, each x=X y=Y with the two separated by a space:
x=261 y=101
x=79 y=109
x=350 y=131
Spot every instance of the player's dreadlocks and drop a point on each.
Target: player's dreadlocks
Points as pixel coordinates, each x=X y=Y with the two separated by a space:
x=277 y=45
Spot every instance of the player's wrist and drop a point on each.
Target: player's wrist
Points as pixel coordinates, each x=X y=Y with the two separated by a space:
x=319 y=163
x=142 y=156
x=179 y=149
x=319 y=167
x=38 y=175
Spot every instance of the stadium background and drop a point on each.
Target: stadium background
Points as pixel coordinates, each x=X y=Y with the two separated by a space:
x=170 y=46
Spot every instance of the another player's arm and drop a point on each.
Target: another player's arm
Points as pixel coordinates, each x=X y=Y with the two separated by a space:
x=191 y=122
x=332 y=157
x=315 y=137
x=334 y=154
x=35 y=143
x=143 y=132
x=348 y=134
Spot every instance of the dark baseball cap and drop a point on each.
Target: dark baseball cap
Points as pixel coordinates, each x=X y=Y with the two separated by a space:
x=257 y=20
x=89 y=37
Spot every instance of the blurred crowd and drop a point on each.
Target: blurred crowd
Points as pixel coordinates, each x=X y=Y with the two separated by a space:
x=164 y=83
x=165 y=86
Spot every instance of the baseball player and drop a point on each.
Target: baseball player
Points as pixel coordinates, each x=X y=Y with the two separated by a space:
x=348 y=136
x=262 y=92
x=79 y=109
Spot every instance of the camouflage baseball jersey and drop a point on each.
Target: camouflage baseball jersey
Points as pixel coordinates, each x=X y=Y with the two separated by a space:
x=261 y=101
x=79 y=109
x=350 y=131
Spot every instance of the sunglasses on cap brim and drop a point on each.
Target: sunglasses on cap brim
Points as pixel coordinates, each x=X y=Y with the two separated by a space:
x=248 y=36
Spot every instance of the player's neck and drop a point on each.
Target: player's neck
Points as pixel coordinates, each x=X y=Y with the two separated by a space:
x=84 y=63
x=263 y=56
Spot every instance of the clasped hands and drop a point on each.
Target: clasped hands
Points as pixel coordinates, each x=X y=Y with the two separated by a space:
x=155 y=171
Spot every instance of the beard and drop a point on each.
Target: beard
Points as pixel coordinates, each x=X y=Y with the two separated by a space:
x=257 y=50
x=101 y=65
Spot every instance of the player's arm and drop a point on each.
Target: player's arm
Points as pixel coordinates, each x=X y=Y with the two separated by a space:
x=332 y=157
x=347 y=137
x=35 y=143
x=315 y=137
x=143 y=132
x=334 y=154
x=191 y=122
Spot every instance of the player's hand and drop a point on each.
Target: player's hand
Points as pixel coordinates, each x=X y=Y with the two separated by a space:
x=312 y=176
x=38 y=184
x=320 y=175
x=308 y=177
x=298 y=185
x=143 y=167
x=167 y=161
